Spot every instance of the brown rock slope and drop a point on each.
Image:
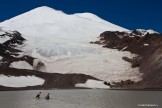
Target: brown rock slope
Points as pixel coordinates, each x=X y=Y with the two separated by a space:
x=147 y=46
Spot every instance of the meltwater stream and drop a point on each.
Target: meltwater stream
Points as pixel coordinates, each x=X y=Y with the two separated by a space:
x=81 y=98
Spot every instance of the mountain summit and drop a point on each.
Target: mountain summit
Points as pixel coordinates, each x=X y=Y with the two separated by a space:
x=44 y=21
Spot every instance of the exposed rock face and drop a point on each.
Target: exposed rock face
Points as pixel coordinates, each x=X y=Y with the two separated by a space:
x=148 y=47
x=129 y=41
x=152 y=69
x=10 y=53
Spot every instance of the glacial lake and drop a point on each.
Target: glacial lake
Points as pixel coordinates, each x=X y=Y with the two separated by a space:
x=81 y=98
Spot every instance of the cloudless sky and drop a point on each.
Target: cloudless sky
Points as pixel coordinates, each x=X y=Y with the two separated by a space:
x=131 y=14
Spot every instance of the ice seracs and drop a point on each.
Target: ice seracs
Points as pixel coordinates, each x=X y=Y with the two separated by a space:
x=104 y=64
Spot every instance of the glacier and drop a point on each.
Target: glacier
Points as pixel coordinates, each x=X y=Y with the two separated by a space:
x=61 y=42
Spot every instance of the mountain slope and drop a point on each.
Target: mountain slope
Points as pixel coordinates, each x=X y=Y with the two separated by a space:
x=45 y=21
x=59 y=43
x=147 y=44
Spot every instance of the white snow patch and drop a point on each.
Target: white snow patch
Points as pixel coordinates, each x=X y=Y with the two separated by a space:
x=145 y=44
x=8 y=51
x=1 y=33
x=93 y=84
x=35 y=62
x=152 y=31
x=21 y=65
x=149 y=31
x=124 y=48
x=4 y=39
x=21 y=81
x=1 y=57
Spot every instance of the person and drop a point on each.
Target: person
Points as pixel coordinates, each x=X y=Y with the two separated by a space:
x=47 y=97
x=38 y=95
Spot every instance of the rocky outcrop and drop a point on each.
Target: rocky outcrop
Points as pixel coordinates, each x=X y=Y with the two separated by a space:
x=10 y=53
x=148 y=47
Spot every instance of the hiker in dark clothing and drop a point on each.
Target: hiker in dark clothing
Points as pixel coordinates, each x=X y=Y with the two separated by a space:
x=47 y=97
x=38 y=95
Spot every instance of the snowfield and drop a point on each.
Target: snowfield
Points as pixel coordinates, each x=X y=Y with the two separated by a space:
x=1 y=58
x=93 y=84
x=21 y=65
x=4 y=39
x=21 y=81
x=61 y=42
x=149 y=31
x=45 y=22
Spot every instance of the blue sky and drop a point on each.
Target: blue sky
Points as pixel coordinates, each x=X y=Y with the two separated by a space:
x=131 y=14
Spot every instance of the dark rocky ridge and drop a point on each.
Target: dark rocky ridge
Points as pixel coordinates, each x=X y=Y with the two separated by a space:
x=52 y=80
x=9 y=51
x=147 y=46
x=8 y=48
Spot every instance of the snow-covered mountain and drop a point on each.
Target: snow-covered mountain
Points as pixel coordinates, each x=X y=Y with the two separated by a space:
x=56 y=42
x=47 y=22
